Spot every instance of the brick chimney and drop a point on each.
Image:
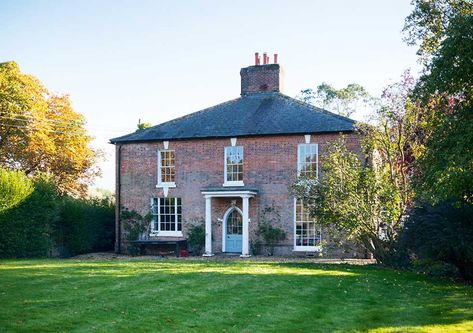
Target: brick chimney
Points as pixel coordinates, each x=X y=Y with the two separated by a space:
x=264 y=77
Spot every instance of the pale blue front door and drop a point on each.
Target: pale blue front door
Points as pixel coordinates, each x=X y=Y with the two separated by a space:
x=233 y=232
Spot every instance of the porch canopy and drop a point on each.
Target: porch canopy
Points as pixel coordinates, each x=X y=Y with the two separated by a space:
x=228 y=192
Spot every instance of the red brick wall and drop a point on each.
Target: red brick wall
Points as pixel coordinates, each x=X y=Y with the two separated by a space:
x=270 y=165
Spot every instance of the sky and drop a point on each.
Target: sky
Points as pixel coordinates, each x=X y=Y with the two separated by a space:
x=121 y=61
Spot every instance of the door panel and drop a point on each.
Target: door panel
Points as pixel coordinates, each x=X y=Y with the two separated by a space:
x=233 y=237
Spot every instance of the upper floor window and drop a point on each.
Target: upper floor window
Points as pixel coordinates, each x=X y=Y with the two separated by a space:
x=166 y=168
x=307 y=160
x=234 y=166
x=167 y=216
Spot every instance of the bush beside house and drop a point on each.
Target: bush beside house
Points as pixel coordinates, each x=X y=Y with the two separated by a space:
x=44 y=223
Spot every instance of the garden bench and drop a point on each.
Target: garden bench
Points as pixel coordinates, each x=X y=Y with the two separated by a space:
x=180 y=243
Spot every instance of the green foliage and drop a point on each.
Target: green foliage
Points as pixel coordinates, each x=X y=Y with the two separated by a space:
x=269 y=229
x=85 y=225
x=446 y=97
x=135 y=225
x=355 y=198
x=430 y=21
x=196 y=237
x=141 y=126
x=14 y=188
x=40 y=132
x=343 y=101
x=441 y=234
x=26 y=228
x=44 y=223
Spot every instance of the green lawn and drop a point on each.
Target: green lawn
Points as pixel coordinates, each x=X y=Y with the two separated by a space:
x=222 y=296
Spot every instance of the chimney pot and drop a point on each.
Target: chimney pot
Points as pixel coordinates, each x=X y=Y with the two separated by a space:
x=257 y=59
x=265 y=58
x=275 y=58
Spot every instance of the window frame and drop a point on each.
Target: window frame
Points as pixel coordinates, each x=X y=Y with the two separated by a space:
x=160 y=183
x=300 y=162
x=225 y=174
x=156 y=221
x=306 y=248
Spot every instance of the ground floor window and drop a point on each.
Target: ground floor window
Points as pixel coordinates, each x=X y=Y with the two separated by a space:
x=167 y=216
x=307 y=231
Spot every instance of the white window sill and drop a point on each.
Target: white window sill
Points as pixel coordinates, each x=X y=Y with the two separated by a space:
x=166 y=233
x=230 y=184
x=162 y=185
x=307 y=249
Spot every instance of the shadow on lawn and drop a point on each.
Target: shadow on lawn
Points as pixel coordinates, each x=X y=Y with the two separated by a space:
x=325 y=296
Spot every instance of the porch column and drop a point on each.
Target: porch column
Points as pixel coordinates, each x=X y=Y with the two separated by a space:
x=208 y=226
x=245 y=234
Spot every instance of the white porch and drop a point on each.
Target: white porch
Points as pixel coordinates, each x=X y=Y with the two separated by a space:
x=245 y=195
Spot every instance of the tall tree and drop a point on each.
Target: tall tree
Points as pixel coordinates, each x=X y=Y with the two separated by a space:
x=40 y=132
x=429 y=22
x=446 y=95
x=369 y=201
x=342 y=101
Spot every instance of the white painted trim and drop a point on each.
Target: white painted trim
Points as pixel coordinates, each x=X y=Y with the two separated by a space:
x=226 y=194
x=224 y=225
x=233 y=141
x=230 y=184
x=167 y=233
x=245 y=243
x=294 y=211
x=166 y=145
x=307 y=138
x=163 y=185
x=307 y=248
x=208 y=227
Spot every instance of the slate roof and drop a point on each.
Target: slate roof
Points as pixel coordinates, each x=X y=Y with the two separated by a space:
x=249 y=115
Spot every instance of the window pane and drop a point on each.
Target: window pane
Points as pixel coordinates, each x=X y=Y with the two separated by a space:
x=167 y=166
x=307 y=160
x=234 y=163
x=170 y=214
x=307 y=231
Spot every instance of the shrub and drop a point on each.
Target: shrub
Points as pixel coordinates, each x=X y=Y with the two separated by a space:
x=269 y=230
x=43 y=223
x=26 y=228
x=135 y=226
x=196 y=238
x=442 y=233
x=85 y=225
x=15 y=187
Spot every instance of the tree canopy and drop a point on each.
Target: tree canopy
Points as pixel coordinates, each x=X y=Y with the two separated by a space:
x=40 y=132
x=428 y=24
x=445 y=94
x=343 y=101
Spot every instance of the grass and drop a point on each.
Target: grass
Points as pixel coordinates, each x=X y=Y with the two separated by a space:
x=221 y=296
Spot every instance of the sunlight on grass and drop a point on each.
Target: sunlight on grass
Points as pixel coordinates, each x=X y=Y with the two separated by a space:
x=170 y=295
x=466 y=326
x=131 y=268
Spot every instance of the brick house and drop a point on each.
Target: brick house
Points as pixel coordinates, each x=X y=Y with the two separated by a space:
x=226 y=164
